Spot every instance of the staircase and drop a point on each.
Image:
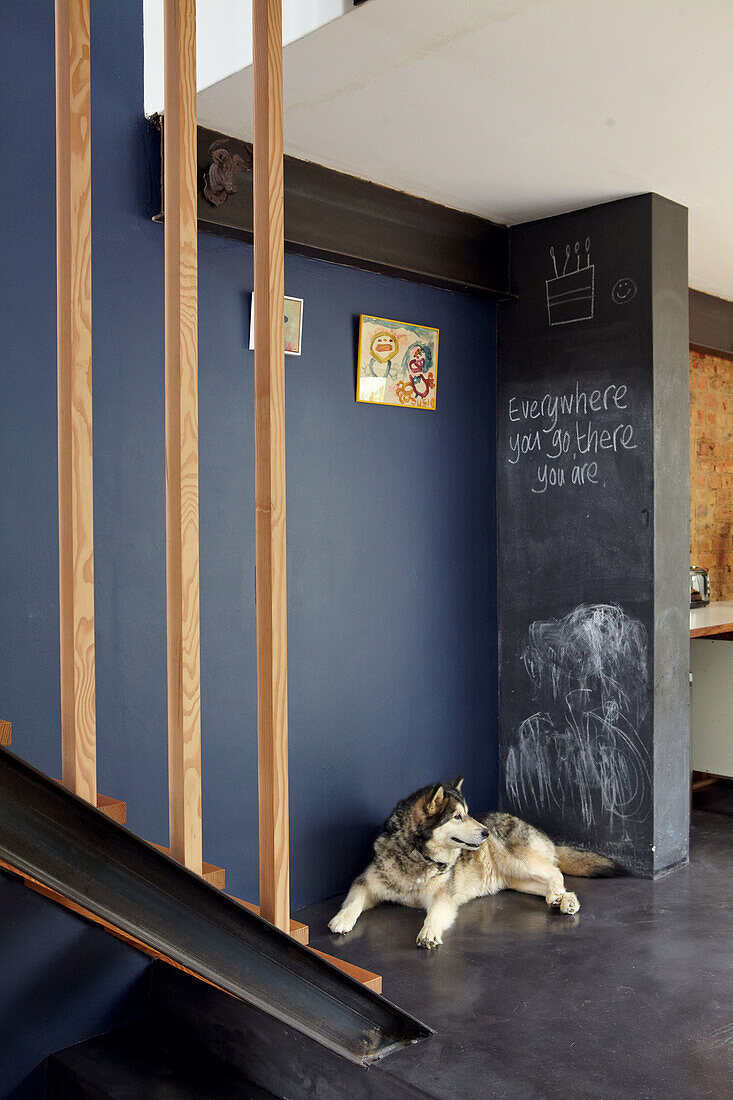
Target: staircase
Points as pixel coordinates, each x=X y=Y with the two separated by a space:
x=195 y=1041
x=141 y=1061
x=233 y=1004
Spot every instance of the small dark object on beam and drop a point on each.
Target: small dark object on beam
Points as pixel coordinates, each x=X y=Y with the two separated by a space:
x=220 y=175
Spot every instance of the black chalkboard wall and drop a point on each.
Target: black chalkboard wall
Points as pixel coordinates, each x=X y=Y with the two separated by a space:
x=576 y=487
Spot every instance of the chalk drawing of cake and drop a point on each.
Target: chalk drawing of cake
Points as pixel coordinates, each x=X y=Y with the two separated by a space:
x=571 y=295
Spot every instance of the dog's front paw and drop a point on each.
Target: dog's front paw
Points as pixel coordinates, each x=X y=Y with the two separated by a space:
x=569 y=903
x=342 y=923
x=428 y=937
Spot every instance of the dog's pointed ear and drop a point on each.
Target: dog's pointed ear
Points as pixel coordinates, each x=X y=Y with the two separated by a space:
x=457 y=783
x=434 y=799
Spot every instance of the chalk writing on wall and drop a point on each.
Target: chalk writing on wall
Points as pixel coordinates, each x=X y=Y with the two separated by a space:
x=565 y=438
x=580 y=750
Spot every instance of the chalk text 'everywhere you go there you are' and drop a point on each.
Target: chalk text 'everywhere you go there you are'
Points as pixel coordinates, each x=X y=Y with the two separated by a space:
x=568 y=433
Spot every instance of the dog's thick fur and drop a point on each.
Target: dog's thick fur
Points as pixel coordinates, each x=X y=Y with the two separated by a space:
x=430 y=854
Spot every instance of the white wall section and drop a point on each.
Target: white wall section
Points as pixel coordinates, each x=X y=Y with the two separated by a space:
x=224 y=38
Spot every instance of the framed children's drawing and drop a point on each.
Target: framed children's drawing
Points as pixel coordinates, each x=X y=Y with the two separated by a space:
x=398 y=363
x=292 y=325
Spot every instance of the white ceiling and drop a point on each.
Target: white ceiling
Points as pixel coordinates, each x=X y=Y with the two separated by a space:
x=517 y=109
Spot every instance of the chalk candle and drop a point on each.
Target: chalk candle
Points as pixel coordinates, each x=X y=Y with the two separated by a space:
x=570 y=296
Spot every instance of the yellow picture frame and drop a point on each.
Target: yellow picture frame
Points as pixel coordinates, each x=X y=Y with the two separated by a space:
x=406 y=379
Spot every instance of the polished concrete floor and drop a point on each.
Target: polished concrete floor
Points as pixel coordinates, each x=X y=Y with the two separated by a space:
x=631 y=998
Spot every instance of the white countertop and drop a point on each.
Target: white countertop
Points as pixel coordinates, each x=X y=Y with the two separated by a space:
x=715 y=614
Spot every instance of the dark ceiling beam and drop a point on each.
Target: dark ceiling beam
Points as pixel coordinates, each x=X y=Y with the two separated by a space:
x=711 y=322
x=333 y=216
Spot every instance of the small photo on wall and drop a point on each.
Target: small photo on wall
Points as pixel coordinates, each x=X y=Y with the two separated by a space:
x=292 y=325
x=398 y=363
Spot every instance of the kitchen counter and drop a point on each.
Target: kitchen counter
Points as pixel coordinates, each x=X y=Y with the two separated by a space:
x=711 y=678
x=716 y=618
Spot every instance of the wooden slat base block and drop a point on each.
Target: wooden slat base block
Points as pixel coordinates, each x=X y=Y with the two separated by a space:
x=702 y=780
x=215 y=875
x=6 y=732
x=366 y=977
x=112 y=807
x=299 y=932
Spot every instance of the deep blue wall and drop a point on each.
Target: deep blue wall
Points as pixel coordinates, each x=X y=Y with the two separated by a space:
x=390 y=569
x=61 y=980
x=391 y=523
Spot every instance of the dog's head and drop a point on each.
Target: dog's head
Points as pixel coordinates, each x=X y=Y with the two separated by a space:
x=446 y=823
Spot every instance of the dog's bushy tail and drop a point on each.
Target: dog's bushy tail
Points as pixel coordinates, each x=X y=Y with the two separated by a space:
x=571 y=861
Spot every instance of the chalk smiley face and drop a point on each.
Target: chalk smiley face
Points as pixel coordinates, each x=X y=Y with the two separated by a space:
x=623 y=290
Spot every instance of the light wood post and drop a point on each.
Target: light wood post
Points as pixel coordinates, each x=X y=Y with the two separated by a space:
x=74 y=376
x=269 y=385
x=181 y=432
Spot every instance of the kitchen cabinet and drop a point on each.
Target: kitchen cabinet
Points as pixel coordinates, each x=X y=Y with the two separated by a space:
x=711 y=666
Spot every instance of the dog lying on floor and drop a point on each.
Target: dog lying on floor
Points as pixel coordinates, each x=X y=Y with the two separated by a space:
x=431 y=855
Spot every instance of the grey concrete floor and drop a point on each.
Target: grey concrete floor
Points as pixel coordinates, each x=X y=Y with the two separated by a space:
x=633 y=997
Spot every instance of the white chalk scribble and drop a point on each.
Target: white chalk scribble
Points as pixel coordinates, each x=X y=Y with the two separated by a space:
x=582 y=748
x=721 y=1037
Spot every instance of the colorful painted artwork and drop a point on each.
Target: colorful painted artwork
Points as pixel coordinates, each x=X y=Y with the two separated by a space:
x=398 y=363
x=292 y=324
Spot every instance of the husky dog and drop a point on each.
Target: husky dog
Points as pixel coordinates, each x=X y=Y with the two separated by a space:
x=430 y=854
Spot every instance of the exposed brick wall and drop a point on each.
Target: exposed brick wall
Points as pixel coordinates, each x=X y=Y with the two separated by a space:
x=711 y=470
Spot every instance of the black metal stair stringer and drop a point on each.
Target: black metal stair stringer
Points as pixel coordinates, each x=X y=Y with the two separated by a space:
x=60 y=840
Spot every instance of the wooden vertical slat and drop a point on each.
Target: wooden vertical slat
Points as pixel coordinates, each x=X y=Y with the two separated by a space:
x=181 y=401
x=74 y=376
x=269 y=383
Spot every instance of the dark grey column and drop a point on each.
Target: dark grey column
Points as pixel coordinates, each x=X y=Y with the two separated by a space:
x=670 y=300
x=593 y=504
